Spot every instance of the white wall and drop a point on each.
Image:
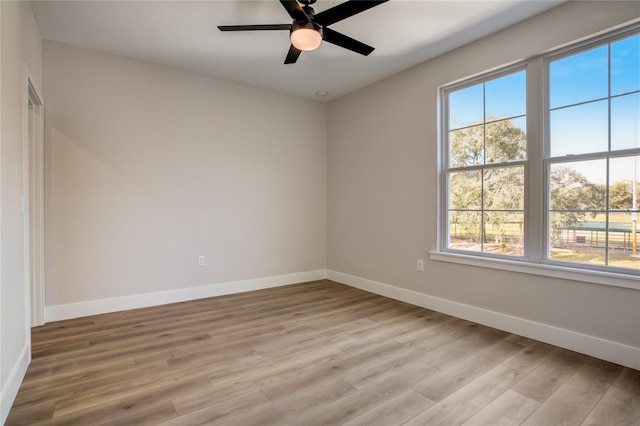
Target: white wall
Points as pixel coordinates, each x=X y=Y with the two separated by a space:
x=148 y=167
x=21 y=45
x=382 y=200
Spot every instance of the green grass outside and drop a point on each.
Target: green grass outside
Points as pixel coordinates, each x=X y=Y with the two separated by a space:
x=595 y=257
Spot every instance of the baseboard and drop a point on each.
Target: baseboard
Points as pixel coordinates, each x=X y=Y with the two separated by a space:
x=103 y=306
x=608 y=350
x=11 y=387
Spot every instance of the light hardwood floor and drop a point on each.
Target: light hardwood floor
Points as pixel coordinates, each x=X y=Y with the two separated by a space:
x=317 y=353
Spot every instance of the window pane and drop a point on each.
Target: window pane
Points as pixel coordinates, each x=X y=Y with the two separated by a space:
x=504 y=233
x=465 y=230
x=578 y=185
x=580 y=129
x=506 y=97
x=504 y=188
x=579 y=78
x=506 y=141
x=625 y=65
x=575 y=239
x=465 y=190
x=621 y=253
x=466 y=147
x=625 y=122
x=623 y=172
x=466 y=107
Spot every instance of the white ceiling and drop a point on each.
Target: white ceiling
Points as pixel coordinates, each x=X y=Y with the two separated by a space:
x=183 y=34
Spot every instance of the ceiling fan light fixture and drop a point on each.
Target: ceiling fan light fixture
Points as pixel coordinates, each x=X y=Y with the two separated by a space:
x=306 y=37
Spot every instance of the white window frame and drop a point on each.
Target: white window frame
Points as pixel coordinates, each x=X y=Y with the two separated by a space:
x=482 y=78
x=536 y=259
x=604 y=155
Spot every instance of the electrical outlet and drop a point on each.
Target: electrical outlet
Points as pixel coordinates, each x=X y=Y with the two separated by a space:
x=200 y=260
x=420 y=265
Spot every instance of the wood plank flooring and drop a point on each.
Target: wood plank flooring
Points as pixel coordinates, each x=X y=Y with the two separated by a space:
x=317 y=353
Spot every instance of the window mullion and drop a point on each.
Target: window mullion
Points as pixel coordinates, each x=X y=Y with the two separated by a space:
x=610 y=148
x=535 y=205
x=484 y=162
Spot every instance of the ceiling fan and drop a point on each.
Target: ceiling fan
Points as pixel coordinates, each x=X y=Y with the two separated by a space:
x=308 y=29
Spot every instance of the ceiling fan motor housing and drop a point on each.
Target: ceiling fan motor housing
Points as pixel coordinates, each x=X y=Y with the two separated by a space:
x=308 y=25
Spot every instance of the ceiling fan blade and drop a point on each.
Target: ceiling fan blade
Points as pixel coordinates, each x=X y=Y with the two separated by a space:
x=292 y=56
x=255 y=27
x=294 y=10
x=342 y=40
x=345 y=10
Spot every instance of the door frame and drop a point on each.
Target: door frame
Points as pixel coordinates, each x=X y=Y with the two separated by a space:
x=33 y=199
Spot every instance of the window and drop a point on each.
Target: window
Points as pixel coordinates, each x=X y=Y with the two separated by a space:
x=547 y=172
x=593 y=161
x=486 y=159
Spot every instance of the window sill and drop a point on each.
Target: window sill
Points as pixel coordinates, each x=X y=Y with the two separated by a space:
x=594 y=277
